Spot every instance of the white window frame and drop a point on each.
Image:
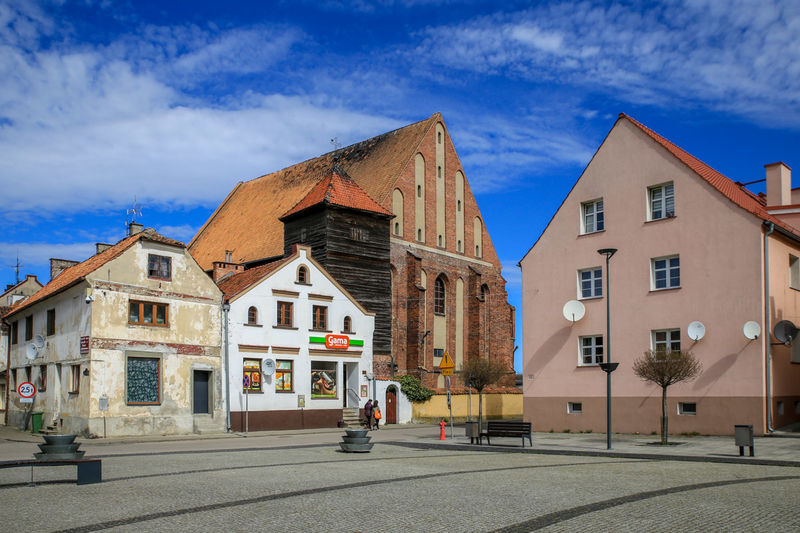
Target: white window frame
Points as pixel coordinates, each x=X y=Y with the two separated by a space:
x=671 y=341
x=595 y=358
x=794 y=272
x=590 y=209
x=666 y=195
x=595 y=283
x=668 y=269
x=574 y=408
x=683 y=411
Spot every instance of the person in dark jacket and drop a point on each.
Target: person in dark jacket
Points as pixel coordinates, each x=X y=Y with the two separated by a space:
x=368 y=414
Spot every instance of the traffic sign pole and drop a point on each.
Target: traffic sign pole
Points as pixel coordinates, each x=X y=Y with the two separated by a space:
x=446 y=368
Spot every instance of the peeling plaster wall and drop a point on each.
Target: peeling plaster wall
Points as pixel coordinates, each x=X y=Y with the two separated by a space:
x=191 y=342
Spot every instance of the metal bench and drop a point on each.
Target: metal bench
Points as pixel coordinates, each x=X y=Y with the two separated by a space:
x=508 y=428
x=89 y=470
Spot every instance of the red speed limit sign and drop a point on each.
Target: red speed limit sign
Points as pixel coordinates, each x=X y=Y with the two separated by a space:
x=27 y=389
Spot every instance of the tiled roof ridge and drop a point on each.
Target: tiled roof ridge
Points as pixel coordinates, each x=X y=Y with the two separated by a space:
x=733 y=192
x=77 y=273
x=239 y=282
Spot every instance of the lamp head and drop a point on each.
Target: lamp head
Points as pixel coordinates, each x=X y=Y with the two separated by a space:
x=608 y=252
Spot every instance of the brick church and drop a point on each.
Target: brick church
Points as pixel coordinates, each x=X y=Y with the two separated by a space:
x=393 y=219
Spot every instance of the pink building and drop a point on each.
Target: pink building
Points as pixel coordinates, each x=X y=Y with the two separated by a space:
x=691 y=248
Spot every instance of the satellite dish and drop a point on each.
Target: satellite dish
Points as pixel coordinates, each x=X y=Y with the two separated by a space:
x=574 y=310
x=785 y=331
x=268 y=367
x=38 y=340
x=696 y=330
x=31 y=351
x=751 y=330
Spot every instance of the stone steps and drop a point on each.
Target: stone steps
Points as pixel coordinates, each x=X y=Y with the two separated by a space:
x=351 y=418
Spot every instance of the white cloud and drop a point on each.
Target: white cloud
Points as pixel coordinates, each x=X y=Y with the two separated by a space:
x=36 y=255
x=738 y=56
x=182 y=232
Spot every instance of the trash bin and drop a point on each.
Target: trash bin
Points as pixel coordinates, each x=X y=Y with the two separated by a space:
x=472 y=431
x=744 y=437
x=36 y=421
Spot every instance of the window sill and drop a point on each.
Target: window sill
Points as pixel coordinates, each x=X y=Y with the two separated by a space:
x=159 y=279
x=253 y=325
x=320 y=330
x=665 y=289
x=589 y=365
x=303 y=284
x=591 y=298
x=284 y=327
x=348 y=332
x=438 y=314
x=284 y=392
x=591 y=233
x=149 y=325
x=659 y=219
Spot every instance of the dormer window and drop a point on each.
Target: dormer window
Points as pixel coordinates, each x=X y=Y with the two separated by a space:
x=662 y=201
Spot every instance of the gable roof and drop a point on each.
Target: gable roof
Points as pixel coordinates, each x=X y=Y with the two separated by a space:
x=233 y=286
x=734 y=192
x=77 y=273
x=337 y=189
x=28 y=278
x=248 y=221
x=729 y=188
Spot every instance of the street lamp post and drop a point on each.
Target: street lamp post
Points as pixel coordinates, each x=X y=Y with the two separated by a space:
x=607 y=366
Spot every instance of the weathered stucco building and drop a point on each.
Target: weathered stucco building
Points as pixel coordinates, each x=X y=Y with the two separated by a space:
x=14 y=294
x=446 y=289
x=693 y=246
x=124 y=343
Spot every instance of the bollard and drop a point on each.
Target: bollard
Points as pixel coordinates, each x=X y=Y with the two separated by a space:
x=442 y=425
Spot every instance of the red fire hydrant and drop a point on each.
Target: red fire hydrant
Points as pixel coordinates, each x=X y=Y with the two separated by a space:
x=442 y=425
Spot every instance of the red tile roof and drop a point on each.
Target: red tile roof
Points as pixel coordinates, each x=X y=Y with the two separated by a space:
x=338 y=189
x=236 y=284
x=247 y=222
x=735 y=193
x=76 y=274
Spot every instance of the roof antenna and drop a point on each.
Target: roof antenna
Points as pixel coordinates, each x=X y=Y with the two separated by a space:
x=136 y=210
x=335 y=142
x=17 y=267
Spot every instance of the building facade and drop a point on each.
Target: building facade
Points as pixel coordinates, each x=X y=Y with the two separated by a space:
x=446 y=289
x=124 y=343
x=691 y=247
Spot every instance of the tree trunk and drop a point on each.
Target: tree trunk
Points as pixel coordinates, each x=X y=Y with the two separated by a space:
x=664 y=419
x=480 y=411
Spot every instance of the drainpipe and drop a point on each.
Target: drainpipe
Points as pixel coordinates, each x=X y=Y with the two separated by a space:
x=225 y=308
x=767 y=327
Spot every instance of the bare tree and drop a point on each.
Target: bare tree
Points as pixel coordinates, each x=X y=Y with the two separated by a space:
x=665 y=368
x=480 y=372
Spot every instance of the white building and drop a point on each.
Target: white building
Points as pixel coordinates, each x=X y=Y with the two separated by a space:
x=300 y=348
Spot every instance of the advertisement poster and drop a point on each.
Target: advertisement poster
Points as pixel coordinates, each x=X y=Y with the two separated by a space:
x=323 y=383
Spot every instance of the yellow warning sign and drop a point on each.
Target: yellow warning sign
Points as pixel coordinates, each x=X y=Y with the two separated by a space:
x=447 y=365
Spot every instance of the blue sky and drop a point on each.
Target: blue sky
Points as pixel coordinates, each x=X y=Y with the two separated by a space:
x=174 y=102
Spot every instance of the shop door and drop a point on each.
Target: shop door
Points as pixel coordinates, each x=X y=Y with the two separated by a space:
x=200 y=392
x=391 y=405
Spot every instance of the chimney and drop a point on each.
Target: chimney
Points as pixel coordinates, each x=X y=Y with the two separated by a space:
x=779 y=184
x=57 y=266
x=134 y=228
x=101 y=247
x=222 y=269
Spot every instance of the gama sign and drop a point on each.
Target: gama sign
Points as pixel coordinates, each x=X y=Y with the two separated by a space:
x=334 y=342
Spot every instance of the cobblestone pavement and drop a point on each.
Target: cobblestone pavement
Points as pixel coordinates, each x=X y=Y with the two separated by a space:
x=302 y=482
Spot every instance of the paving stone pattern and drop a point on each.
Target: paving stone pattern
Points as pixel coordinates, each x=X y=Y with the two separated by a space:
x=222 y=486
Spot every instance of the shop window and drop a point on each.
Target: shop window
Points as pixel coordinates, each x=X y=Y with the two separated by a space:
x=319 y=319
x=148 y=314
x=323 y=379
x=252 y=316
x=51 y=322
x=251 y=381
x=284 y=380
x=285 y=314
x=143 y=380
x=159 y=267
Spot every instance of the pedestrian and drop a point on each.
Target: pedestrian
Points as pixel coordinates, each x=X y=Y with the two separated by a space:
x=376 y=414
x=368 y=414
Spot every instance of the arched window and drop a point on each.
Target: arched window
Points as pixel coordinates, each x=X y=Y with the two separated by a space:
x=348 y=324
x=302 y=275
x=252 y=316
x=439 y=296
